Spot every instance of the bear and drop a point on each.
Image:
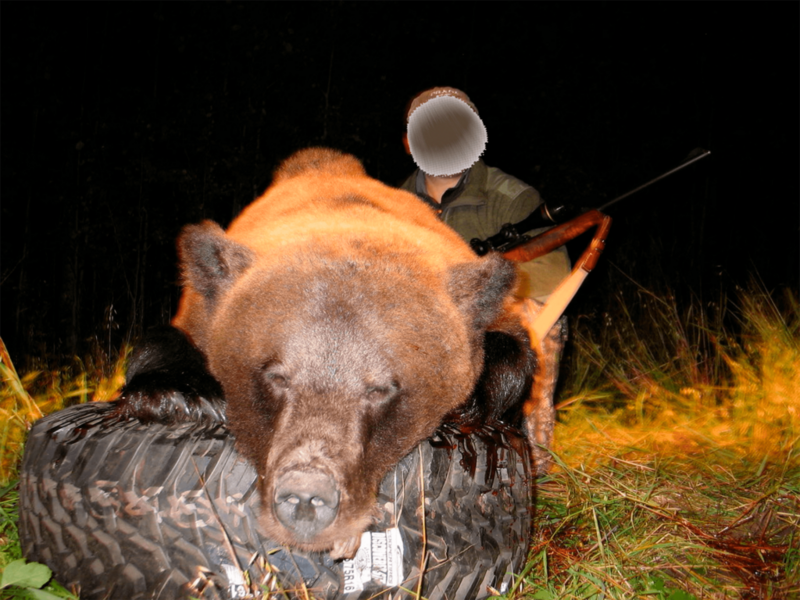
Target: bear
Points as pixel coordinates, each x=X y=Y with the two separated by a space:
x=333 y=327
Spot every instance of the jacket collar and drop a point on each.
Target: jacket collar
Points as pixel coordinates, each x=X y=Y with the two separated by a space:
x=465 y=193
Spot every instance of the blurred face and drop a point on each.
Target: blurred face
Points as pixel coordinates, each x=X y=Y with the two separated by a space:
x=445 y=136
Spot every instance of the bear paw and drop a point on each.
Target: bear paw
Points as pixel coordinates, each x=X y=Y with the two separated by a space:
x=149 y=400
x=168 y=382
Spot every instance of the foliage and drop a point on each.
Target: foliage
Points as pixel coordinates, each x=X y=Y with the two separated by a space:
x=41 y=391
x=22 y=579
x=705 y=526
x=678 y=455
x=23 y=400
x=674 y=377
x=9 y=539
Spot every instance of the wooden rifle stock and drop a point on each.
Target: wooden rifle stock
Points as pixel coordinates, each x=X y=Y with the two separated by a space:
x=560 y=234
x=549 y=241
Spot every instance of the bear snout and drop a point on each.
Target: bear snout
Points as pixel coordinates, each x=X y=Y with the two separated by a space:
x=305 y=503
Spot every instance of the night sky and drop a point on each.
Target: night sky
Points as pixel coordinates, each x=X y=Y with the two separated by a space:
x=122 y=122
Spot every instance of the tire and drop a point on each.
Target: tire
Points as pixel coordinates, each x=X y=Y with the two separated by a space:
x=136 y=511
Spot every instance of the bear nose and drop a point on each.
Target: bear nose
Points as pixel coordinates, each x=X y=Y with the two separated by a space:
x=306 y=503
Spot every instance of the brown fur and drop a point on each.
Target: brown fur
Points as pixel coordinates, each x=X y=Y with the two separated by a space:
x=344 y=321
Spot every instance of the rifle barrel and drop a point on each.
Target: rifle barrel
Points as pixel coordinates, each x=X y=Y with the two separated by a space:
x=692 y=158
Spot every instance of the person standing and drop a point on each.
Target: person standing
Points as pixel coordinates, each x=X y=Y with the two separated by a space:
x=446 y=138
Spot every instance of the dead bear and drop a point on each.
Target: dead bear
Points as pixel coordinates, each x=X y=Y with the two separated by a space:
x=335 y=325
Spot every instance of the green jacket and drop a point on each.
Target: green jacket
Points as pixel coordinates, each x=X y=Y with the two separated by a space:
x=483 y=201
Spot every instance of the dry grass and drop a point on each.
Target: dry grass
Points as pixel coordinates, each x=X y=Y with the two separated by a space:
x=41 y=391
x=678 y=470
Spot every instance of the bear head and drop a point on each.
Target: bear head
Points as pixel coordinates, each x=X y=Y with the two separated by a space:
x=337 y=355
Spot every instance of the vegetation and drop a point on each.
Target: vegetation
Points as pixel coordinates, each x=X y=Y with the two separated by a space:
x=23 y=400
x=677 y=457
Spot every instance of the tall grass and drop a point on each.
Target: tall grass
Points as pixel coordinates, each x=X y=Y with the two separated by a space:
x=40 y=391
x=23 y=400
x=677 y=451
x=727 y=373
x=678 y=462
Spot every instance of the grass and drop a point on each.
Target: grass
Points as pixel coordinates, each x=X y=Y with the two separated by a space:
x=677 y=451
x=40 y=391
x=23 y=400
x=678 y=462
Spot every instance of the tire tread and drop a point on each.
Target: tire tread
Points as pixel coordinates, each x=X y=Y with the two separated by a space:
x=151 y=511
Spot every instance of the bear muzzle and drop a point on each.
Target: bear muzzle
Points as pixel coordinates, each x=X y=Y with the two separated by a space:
x=305 y=503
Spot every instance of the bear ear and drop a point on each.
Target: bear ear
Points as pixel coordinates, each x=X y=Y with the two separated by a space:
x=210 y=261
x=480 y=288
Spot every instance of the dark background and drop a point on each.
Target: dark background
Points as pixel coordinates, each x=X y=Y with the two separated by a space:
x=122 y=122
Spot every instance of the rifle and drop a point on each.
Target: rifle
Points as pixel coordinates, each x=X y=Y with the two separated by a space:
x=520 y=247
x=510 y=236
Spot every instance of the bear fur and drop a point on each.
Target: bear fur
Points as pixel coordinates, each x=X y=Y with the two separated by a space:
x=343 y=323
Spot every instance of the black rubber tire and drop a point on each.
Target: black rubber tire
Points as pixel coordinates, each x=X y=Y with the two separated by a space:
x=148 y=511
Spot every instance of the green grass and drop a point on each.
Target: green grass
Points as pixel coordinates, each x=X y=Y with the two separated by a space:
x=677 y=452
x=682 y=527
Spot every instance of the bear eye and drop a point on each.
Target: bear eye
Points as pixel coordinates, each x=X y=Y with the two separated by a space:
x=382 y=393
x=277 y=380
x=274 y=377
